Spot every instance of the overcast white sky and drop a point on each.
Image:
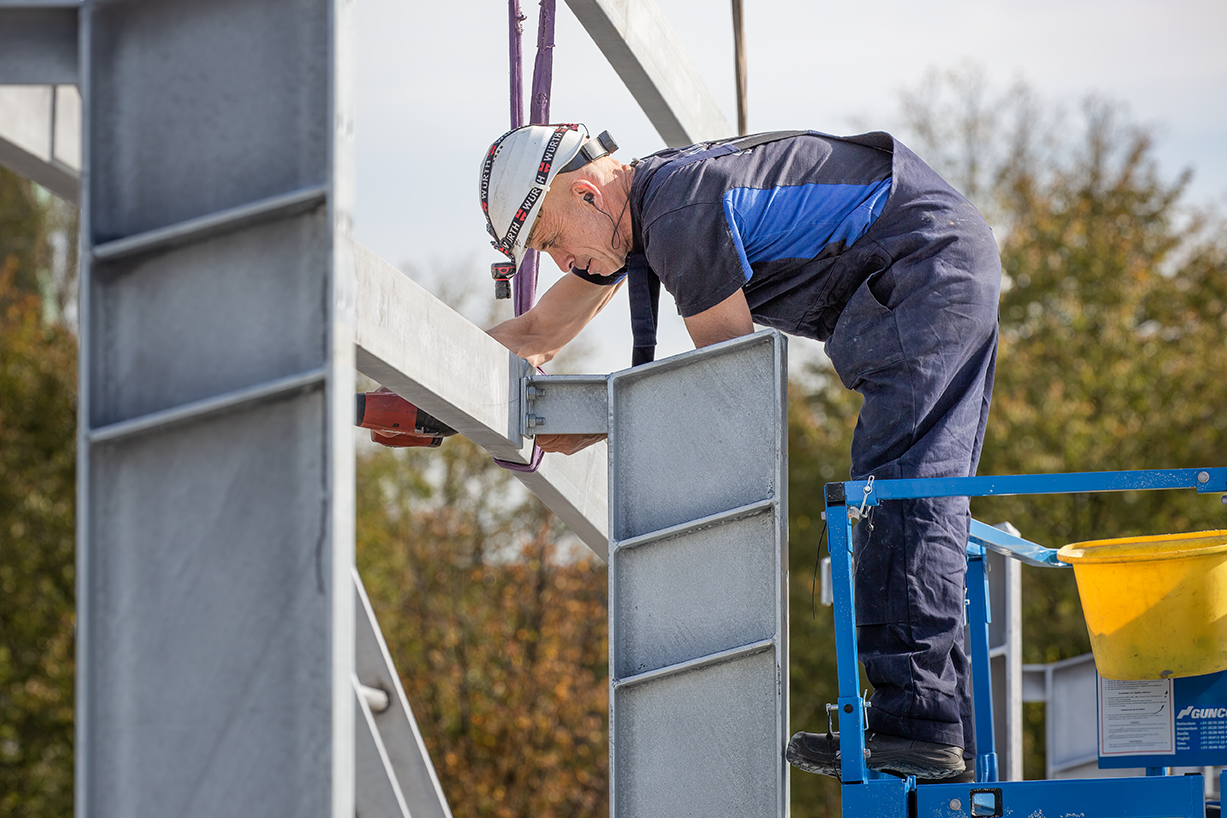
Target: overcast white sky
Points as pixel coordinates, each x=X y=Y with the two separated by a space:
x=432 y=94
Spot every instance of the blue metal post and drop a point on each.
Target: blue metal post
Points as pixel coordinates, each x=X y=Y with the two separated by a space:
x=978 y=618
x=851 y=705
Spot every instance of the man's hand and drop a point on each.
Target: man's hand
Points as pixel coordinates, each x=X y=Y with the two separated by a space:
x=567 y=444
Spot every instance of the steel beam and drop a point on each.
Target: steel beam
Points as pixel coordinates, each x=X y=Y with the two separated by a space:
x=434 y=357
x=425 y=351
x=1005 y=651
x=378 y=791
x=641 y=46
x=40 y=135
x=40 y=109
x=399 y=778
x=215 y=514
x=565 y=404
x=38 y=43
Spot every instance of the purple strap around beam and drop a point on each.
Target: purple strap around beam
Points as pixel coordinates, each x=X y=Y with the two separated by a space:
x=533 y=463
x=543 y=69
x=525 y=282
x=523 y=296
x=515 y=29
x=538 y=454
x=524 y=285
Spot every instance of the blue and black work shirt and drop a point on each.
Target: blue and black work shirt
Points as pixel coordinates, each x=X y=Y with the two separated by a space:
x=776 y=221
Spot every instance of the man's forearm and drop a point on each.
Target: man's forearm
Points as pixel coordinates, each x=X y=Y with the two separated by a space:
x=565 y=309
x=522 y=336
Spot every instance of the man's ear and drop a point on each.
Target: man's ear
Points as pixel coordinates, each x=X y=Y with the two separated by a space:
x=586 y=193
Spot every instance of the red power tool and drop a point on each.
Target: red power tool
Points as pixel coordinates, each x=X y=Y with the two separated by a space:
x=396 y=422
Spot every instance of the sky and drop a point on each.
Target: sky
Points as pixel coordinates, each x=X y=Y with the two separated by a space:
x=432 y=94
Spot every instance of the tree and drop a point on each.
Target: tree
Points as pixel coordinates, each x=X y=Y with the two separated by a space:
x=497 y=627
x=24 y=223
x=37 y=493
x=38 y=236
x=1114 y=338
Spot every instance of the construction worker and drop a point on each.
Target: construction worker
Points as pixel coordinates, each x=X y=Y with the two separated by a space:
x=851 y=241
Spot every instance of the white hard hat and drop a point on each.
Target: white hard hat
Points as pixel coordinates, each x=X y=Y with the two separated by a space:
x=516 y=174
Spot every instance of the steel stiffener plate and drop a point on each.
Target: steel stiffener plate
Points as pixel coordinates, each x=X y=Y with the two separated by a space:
x=698 y=583
x=706 y=591
x=695 y=435
x=200 y=669
x=701 y=743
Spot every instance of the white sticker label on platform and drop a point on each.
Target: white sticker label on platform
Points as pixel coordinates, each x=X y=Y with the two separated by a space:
x=1136 y=717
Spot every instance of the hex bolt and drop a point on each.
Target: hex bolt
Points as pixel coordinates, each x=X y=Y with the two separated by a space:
x=376 y=698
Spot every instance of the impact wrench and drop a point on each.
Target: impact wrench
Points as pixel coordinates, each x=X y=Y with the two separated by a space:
x=396 y=422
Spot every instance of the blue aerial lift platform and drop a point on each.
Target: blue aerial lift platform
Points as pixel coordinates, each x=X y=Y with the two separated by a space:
x=1158 y=794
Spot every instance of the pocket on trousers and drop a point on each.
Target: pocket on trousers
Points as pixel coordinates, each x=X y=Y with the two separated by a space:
x=866 y=336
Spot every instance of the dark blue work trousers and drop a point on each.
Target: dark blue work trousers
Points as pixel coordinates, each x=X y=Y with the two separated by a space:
x=918 y=339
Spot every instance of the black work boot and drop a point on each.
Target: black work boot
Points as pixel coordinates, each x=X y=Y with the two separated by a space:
x=819 y=753
x=905 y=756
x=814 y=753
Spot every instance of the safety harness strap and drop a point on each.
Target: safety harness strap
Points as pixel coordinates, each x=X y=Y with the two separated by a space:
x=643 y=289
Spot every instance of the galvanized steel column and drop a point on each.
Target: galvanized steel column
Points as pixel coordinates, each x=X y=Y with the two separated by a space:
x=698 y=572
x=215 y=500
x=1005 y=655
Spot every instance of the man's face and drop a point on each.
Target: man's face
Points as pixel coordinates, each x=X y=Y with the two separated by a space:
x=576 y=236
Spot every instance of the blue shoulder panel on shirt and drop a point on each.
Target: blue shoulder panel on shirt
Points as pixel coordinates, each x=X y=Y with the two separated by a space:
x=800 y=220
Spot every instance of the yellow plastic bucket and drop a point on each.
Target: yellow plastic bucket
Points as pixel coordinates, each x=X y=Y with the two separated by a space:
x=1156 y=607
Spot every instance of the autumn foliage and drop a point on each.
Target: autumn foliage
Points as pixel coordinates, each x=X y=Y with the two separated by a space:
x=38 y=377
x=497 y=625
